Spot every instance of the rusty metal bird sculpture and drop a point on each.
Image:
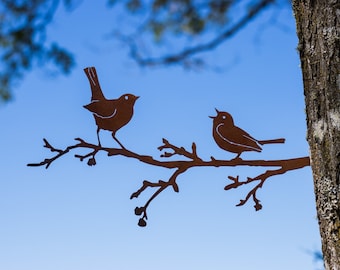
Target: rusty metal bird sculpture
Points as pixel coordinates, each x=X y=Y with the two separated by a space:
x=109 y=114
x=234 y=139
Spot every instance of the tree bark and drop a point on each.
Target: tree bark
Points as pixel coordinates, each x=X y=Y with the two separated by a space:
x=317 y=24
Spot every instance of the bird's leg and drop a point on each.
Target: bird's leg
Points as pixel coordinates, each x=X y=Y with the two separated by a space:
x=99 y=144
x=238 y=157
x=114 y=137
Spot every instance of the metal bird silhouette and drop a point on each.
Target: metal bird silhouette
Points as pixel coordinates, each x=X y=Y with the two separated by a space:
x=234 y=139
x=109 y=114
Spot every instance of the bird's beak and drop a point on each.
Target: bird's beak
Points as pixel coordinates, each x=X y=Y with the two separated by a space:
x=213 y=117
x=137 y=97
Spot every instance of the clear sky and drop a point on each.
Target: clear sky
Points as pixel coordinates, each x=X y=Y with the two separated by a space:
x=76 y=217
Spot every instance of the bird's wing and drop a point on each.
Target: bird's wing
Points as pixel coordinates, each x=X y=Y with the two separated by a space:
x=246 y=140
x=238 y=137
x=101 y=108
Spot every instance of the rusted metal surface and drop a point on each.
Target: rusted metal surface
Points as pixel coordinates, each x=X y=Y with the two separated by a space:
x=234 y=139
x=113 y=114
x=110 y=114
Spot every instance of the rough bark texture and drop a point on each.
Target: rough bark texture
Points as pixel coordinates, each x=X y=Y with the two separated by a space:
x=318 y=26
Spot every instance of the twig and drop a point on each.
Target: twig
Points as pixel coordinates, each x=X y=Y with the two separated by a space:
x=82 y=144
x=179 y=151
x=180 y=167
x=162 y=185
x=286 y=166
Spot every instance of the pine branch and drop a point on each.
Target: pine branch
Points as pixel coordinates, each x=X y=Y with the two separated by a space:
x=185 y=57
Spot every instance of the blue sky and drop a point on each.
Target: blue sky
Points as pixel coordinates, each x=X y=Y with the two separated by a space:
x=73 y=216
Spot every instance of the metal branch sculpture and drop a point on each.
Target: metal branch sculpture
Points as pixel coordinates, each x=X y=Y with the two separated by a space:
x=223 y=123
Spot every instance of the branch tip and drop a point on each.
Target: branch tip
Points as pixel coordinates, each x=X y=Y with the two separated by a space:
x=242 y=202
x=175 y=187
x=181 y=166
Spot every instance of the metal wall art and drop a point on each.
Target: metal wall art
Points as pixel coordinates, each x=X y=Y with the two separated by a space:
x=113 y=114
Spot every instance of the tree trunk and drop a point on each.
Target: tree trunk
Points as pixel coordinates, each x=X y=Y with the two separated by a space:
x=317 y=24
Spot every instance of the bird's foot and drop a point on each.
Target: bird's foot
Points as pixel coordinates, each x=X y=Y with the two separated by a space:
x=237 y=158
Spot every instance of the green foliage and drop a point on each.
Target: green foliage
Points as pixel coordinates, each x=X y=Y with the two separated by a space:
x=23 y=42
x=61 y=57
x=193 y=26
x=180 y=16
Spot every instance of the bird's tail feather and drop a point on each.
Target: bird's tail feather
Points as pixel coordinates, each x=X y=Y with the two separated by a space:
x=281 y=140
x=96 y=90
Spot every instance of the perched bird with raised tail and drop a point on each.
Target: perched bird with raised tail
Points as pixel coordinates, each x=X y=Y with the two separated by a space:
x=109 y=114
x=234 y=139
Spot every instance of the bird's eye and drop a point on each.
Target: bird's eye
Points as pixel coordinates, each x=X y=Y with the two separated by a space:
x=126 y=97
x=224 y=117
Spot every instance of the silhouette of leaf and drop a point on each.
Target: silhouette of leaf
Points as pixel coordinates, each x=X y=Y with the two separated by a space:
x=139 y=211
x=142 y=222
x=91 y=161
x=258 y=206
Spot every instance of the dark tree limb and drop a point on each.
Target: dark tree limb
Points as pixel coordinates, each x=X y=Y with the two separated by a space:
x=180 y=166
x=185 y=57
x=23 y=41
